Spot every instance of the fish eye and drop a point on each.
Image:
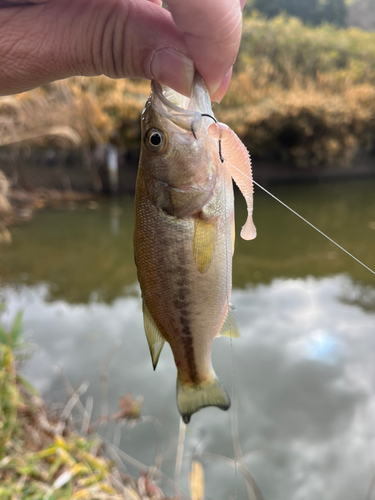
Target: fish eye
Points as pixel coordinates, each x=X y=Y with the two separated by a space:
x=155 y=140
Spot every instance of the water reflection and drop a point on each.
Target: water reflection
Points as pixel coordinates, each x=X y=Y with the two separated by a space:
x=304 y=381
x=82 y=251
x=77 y=252
x=304 y=377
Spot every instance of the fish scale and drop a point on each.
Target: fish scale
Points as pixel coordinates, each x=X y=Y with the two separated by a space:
x=183 y=241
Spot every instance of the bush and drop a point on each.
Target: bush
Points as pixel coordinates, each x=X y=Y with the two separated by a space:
x=305 y=94
x=302 y=94
x=309 y=11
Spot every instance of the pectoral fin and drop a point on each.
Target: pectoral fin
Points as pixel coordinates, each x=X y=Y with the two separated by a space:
x=154 y=337
x=204 y=243
x=230 y=326
x=237 y=160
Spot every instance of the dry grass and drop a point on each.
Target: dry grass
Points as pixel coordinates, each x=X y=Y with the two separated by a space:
x=43 y=457
x=306 y=95
x=306 y=127
x=74 y=112
x=41 y=454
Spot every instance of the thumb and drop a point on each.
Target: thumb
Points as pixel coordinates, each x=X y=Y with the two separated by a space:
x=42 y=42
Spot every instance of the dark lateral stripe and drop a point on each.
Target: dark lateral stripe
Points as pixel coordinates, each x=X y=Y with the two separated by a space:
x=182 y=304
x=187 y=341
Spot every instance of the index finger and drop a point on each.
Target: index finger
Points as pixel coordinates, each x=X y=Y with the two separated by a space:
x=212 y=30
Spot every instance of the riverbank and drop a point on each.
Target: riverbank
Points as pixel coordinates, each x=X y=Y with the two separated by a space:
x=21 y=204
x=301 y=96
x=267 y=173
x=42 y=456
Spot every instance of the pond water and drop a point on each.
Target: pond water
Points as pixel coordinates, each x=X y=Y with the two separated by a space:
x=302 y=375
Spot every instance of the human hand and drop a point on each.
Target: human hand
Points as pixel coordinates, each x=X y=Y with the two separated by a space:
x=46 y=40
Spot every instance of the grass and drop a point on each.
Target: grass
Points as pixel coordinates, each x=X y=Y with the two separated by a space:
x=43 y=457
x=305 y=95
x=41 y=454
x=301 y=94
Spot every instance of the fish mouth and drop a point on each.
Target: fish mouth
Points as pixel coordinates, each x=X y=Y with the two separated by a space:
x=185 y=112
x=171 y=99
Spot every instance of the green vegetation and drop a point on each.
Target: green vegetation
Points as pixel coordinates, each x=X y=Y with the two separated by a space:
x=305 y=95
x=41 y=455
x=309 y=11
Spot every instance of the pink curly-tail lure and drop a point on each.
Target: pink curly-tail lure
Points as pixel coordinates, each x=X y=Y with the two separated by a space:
x=236 y=158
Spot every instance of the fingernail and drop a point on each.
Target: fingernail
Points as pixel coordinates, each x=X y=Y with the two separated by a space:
x=173 y=69
x=223 y=87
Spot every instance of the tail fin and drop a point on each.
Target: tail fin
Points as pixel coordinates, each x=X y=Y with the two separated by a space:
x=192 y=398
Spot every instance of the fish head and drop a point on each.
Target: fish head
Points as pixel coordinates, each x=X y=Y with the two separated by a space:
x=179 y=159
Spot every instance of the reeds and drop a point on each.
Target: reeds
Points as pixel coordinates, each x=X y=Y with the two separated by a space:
x=42 y=456
x=303 y=95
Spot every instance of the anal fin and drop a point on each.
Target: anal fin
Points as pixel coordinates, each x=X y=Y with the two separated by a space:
x=230 y=325
x=154 y=337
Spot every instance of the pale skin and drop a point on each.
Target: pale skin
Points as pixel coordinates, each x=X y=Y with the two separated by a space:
x=46 y=40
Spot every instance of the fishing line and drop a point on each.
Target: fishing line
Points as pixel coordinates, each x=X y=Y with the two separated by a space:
x=229 y=285
x=305 y=220
x=233 y=418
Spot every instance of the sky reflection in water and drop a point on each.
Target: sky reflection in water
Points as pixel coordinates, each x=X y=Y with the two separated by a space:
x=303 y=381
x=304 y=371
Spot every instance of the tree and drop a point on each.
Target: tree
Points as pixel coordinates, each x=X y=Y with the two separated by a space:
x=310 y=11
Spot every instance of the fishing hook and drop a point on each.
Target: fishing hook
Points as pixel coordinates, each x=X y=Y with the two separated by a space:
x=209 y=116
x=214 y=119
x=220 y=155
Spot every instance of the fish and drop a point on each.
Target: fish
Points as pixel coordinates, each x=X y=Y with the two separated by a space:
x=184 y=235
